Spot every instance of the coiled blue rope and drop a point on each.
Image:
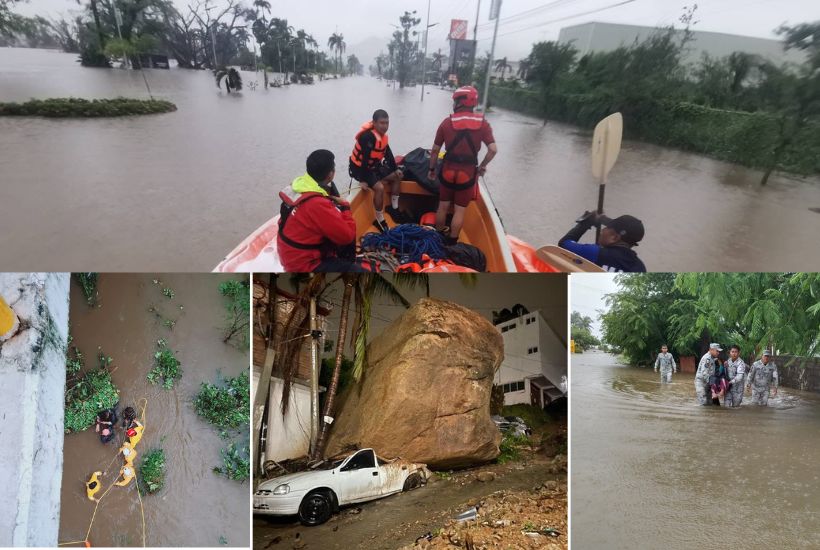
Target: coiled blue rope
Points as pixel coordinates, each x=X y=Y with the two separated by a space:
x=409 y=241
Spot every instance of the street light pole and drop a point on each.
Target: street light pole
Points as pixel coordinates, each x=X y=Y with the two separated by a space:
x=424 y=55
x=497 y=12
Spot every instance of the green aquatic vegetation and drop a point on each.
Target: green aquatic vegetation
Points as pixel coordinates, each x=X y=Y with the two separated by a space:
x=236 y=463
x=152 y=471
x=72 y=107
x=74 y=361
x=237 y=307
x=87 y=282
x=166 y=366
x=93 y=393
x=168 y=292
x=226 y=405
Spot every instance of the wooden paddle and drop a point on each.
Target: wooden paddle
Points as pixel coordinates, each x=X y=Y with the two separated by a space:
x=606 y=144
x=566 y=261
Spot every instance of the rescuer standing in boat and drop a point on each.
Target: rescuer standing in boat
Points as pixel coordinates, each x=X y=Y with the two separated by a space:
x=372 y=164
x=316 y=229
x=462 y=134
x=614 y=250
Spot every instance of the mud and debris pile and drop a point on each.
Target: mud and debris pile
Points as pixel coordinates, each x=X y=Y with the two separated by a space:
x=515 y=520
x=426 y=392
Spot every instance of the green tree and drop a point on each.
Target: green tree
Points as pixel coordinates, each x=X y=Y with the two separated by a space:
x=336 y=43
x=403 y=50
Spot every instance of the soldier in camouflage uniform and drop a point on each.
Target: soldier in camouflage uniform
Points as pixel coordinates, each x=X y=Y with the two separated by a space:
x=667 y=365
x=762 y=376
x=736 y=370
x=706 y=369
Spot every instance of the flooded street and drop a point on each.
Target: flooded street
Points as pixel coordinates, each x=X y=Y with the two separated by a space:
x=651 y=469
x=179 y=191
x=196 y=507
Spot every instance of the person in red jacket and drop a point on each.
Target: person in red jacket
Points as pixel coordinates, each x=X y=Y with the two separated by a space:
x=462 y=133
x=316 y=229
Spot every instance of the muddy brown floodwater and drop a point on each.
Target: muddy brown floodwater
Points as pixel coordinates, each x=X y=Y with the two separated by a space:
x=397 y=520
x=651 y=469
x=196 y=507
x=178 y=191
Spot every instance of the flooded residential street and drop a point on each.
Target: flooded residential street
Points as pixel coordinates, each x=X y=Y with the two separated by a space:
x=196 y=507
x=652 y=469
x=179 y=191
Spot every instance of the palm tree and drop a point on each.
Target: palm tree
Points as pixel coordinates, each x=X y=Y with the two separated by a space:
x=233 y=81
x=336 y=42
x=438 y=59
x=502 y=65
x=524 y=67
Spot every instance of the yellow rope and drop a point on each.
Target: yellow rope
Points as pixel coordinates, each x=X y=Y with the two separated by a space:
x=144 y=400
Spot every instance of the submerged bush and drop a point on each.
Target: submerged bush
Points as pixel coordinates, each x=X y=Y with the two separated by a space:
x=152 y=471
x=236 y=463
x=166 y=366
x=83 y=108
x=225 y=407
x=237 y=307
x=93 y=393
x=88 y=282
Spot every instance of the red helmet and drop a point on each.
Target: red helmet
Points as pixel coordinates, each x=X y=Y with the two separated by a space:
x=467 y=96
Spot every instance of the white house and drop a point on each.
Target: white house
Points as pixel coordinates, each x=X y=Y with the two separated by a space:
x=534 y=369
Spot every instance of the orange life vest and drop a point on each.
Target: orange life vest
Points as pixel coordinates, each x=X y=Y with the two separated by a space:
x=458 y=171
x=377 y=154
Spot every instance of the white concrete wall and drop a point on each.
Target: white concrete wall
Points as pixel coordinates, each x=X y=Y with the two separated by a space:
x=32 y=386
x=288 y=435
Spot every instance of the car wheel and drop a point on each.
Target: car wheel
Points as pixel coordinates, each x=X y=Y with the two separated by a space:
x=315 y=509
x=412 y=482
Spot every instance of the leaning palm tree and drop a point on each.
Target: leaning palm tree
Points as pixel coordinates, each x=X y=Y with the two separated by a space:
x=336 y=42
x=232 y=79
x=502 y=65
x=524 y=67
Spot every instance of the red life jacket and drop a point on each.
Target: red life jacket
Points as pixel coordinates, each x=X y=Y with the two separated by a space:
x=459 y=169
x=377 y=154
x=289 y=206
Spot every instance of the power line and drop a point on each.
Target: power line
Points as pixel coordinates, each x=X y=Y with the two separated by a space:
x=561 y=19
x=525 y=14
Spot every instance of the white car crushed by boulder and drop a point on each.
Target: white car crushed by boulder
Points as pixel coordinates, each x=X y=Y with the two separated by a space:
x=315 y=495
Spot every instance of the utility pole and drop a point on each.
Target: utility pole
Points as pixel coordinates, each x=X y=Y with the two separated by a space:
x=314 y=377
x=269 y=357
x=475 y=31
x=424 y=55
x=118 y=20
x=495 y=13
x=213 y=43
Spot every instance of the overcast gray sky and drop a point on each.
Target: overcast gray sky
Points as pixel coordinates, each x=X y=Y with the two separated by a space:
x=366 y=24
x=587 y=292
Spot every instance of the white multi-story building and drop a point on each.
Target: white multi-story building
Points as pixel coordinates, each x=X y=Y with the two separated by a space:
x=534 y=369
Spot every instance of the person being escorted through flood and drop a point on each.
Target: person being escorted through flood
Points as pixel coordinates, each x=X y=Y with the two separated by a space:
x=462 y=134
x=615 y=249
x=735 y=370
x=667 y=365
x=104 y=424
x=92 y=486
x=763 y=379
x=317 y=231
x=372 y=164
x=705 y=371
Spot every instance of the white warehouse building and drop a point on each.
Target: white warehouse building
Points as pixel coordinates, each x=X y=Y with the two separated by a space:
x=534 y=370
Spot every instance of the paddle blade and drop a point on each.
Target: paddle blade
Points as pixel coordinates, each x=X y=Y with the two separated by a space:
x=606 y=144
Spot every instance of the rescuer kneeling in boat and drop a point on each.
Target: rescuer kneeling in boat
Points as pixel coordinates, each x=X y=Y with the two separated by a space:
x=614 y=250
x=462 y=134
x=373 y=165
x=316 y=229
x=92 y=486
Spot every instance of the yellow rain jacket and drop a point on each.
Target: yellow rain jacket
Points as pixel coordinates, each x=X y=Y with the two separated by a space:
x=92 y=486
x=136 y=439
x=127 y=473
x=128 y=452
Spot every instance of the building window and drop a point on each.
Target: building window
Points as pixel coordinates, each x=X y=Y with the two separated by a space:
x=513 y=386
x=530 y=320
x=507 y=327
x=532 y=350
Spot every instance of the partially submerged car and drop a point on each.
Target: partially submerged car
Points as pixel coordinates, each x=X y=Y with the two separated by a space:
x=315 y=495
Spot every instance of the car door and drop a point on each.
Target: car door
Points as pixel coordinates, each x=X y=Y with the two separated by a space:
x=359 y=478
